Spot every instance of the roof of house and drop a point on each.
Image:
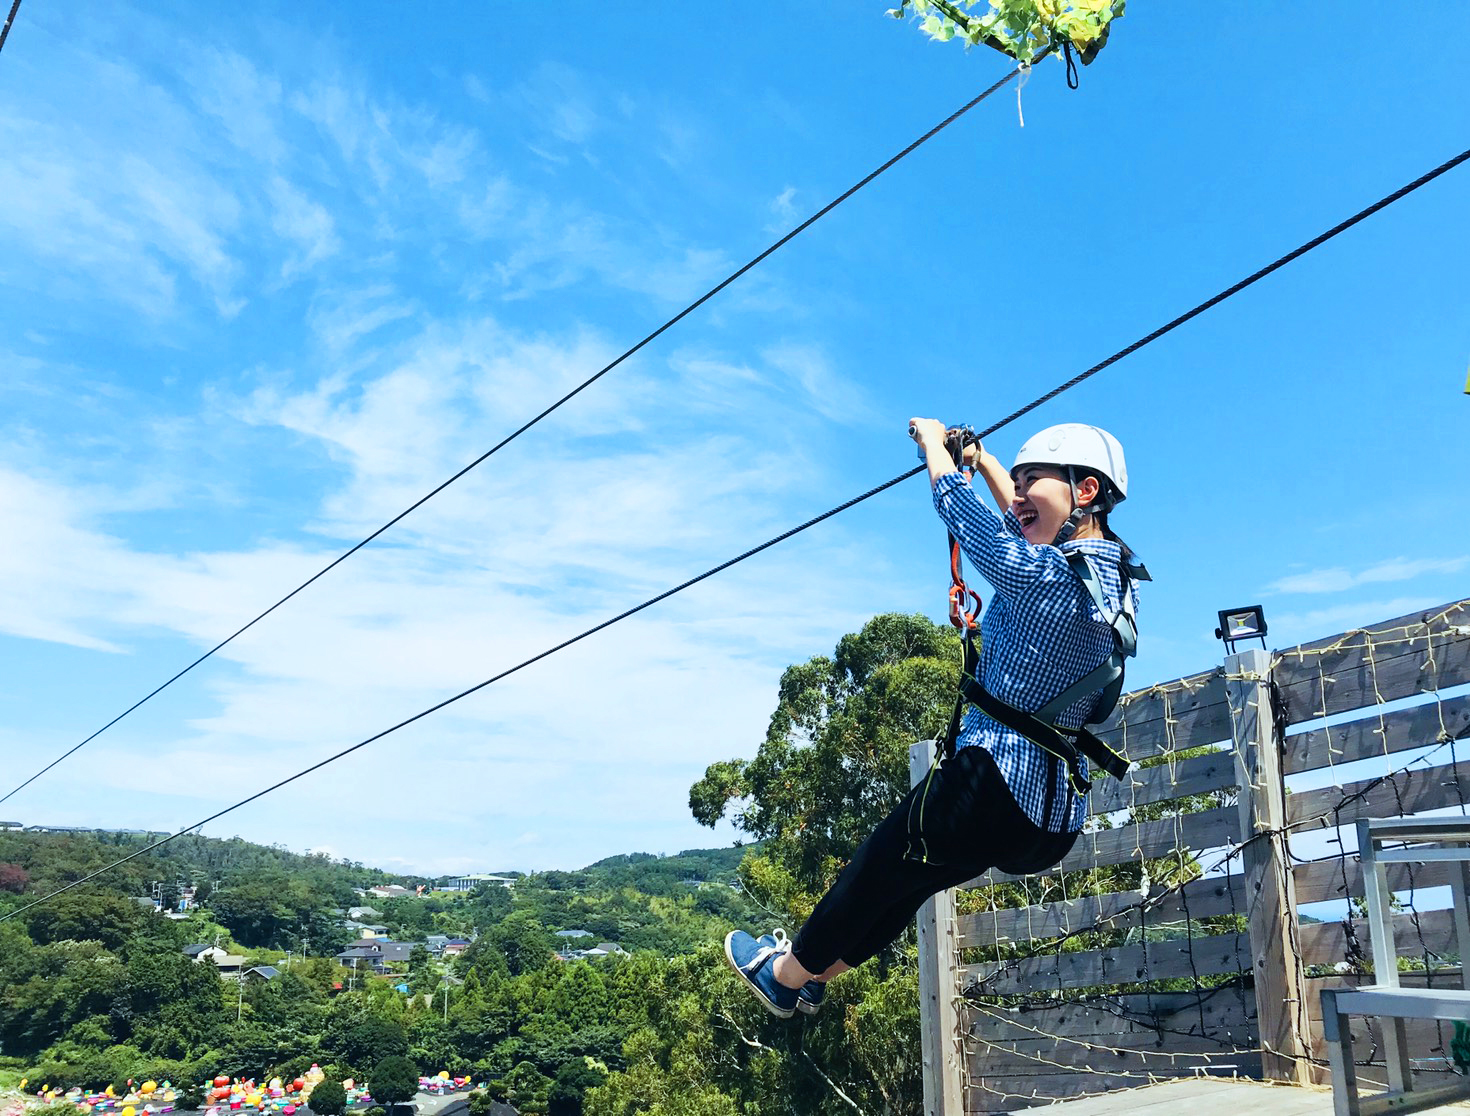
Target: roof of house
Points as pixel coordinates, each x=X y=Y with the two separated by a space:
x=269 y=972
x=376 y=949
x=196 y=950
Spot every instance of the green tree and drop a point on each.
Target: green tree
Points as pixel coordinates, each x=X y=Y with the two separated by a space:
x=835 y=757
x=86 y=918
x=328 y=1098
x=393 y=1081
x=527 y=1088
x=526 y=944
x=571 y=1085
x=367 y=1039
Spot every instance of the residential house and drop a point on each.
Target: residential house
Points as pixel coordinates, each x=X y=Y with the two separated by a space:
x=360 y=914
x=606 y=949
x=602 y=949
x=392 y=891
x=376 y=954
x=454 y=947
x=368 y=929
x=228 y=964
x=262 y=973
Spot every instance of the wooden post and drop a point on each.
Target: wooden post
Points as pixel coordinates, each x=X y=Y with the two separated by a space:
x=1281 y=1009
x=939 y=986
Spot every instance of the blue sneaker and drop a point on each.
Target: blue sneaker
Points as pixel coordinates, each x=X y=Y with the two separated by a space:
x=809 y=998
x=754 y=960
x=811 y=994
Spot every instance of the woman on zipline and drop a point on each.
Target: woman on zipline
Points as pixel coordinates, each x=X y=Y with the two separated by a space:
x=1011 y=790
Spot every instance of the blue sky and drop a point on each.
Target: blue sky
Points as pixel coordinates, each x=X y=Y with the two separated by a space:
x=270 y=275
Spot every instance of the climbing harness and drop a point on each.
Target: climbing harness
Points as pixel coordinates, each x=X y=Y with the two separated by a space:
x=1040 y=727
x=1067 y=746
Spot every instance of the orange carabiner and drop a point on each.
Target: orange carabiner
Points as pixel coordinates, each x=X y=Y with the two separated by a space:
x=962 y=618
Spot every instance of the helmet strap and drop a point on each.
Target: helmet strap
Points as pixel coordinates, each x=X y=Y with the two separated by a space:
x=1079 y=513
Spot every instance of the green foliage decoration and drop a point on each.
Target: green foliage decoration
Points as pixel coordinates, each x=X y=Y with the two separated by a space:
x=1024 y=29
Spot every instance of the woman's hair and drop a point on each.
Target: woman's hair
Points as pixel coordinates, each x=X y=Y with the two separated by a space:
x=1106 y=503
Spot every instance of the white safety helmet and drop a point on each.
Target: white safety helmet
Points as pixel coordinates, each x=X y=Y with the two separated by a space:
x=1074 y=446
x=1080 y=446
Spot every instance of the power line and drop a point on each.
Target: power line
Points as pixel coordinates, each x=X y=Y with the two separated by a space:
x=1119 y=355
x=513 y=435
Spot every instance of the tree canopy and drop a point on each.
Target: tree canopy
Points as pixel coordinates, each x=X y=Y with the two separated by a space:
x=834 y=760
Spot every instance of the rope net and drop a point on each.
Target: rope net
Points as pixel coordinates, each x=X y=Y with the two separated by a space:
x=1132 y=962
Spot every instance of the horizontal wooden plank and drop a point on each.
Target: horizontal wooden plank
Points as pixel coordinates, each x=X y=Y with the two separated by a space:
x=1411 y=654
x=1122 y=910
x=1008 y=1094
x=1158 y=1054
x=1211 y=1096
x=1162 y=783
x=1404 y=792
x=1171 y=716
x=1325 y=943
x=1224 y=1017
x=1376 y=735
x=1129 y=964
x=1128 y=844
x=1207 y=829
x=1319 y=881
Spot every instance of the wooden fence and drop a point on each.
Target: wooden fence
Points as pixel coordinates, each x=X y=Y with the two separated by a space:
x=1169 y=942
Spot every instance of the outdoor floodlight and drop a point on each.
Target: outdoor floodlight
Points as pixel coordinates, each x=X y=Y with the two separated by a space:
x=1241 y=623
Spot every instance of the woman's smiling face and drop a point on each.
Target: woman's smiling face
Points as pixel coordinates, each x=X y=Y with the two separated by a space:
x=1044 y=500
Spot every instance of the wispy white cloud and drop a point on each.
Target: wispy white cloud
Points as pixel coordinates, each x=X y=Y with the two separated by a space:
x=824 y=389
x=1301 y=627
x=783 y=212
x=304 y=223
x=1338 y=579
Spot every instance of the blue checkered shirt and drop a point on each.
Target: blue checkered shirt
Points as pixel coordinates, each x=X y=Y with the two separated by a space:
x=1040 y=633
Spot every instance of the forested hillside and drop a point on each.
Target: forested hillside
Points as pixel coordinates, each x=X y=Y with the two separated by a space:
x=96 y=987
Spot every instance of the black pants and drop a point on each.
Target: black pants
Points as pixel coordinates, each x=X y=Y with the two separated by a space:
x=971 y=824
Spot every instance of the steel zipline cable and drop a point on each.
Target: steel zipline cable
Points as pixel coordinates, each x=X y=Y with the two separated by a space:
x=513 y=435
x=10 y=19
x=650 y=602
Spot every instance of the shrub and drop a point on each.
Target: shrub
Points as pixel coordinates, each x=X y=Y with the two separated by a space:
x=394 y=1080
x=328 y=1098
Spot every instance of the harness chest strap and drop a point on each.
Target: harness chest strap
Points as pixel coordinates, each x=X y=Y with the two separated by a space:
x=1107 y=678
